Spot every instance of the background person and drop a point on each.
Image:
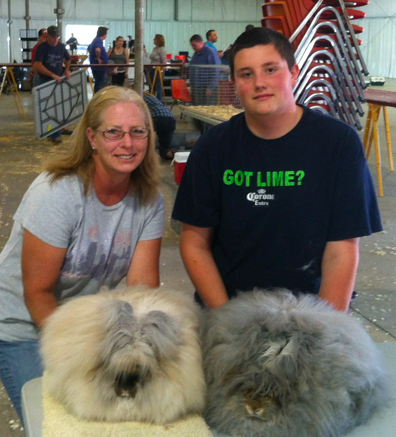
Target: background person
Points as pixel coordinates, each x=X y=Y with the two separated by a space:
x=157 y=56
x=119 y=55
x=131 y=44
x=98 y=55
x=204 y=81
x=94 y=217
x=164 y=125
x=42 y=37
x=48 y=63
x=278 y=196
x=211 y=39
x=72 y=43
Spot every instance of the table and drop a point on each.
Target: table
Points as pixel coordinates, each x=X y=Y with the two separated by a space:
x=158 y=75
x=9 y=75
x=207 y=117
x=383 y=424
x=377 y=100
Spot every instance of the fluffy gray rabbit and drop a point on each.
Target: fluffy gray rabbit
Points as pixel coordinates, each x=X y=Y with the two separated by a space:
x=281 y=366
x=129 y=354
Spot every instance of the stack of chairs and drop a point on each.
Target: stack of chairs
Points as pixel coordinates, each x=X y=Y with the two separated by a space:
x=327 y=51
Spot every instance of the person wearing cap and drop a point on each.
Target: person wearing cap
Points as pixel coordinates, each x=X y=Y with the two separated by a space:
x=98 y=55
x=48 y=63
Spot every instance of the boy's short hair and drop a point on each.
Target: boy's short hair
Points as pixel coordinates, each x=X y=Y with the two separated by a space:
x=262 y=36
x=196 y=37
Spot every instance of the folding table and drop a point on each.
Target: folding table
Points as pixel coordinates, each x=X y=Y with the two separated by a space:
x=383 y=424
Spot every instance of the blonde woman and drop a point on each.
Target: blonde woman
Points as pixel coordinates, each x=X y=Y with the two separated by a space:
x=119 y=55
x=158 y=56
x=94 y=217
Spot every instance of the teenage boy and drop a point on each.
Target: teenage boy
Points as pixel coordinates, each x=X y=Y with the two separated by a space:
x=279 y=195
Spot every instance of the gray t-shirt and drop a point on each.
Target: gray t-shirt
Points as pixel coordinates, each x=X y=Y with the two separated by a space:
x=100 y=240
x=158 y=55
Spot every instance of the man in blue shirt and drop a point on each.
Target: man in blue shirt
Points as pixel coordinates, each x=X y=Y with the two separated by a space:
x=203 y=79
x=211 y=38
x=98 y=55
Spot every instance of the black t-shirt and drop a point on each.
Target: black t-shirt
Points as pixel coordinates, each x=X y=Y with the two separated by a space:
x=52 y=57
x=72 y=43
x=274 y=204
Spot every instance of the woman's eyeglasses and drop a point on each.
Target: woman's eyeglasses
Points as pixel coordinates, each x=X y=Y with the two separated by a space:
x=116 y=134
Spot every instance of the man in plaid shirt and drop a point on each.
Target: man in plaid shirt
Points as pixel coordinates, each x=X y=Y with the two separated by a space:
x=164 y=125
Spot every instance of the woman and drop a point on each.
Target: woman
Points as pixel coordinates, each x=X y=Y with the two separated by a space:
x=93 y=218
x=158 y=56
x=119 y=55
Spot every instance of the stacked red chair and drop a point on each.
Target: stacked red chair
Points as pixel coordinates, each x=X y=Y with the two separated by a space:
x=327 y=51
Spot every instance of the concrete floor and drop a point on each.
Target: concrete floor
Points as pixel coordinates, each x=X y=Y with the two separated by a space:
x=21 y=155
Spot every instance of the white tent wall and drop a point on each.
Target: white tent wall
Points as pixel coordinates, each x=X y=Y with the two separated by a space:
x=177 y=20
x=379 y=37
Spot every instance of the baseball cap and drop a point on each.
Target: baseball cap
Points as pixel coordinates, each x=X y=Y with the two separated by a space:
x=42 y=32
x=53 y=31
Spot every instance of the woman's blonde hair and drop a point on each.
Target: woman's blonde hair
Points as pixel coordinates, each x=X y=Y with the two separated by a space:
x=160 y=39
x=78 y=160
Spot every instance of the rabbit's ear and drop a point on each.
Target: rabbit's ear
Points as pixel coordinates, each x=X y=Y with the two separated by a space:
x=120 y=326
x=162 y=333
x=282 y=356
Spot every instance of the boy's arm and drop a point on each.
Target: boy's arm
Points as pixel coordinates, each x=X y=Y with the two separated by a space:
x=339 y=265
x=196 y=252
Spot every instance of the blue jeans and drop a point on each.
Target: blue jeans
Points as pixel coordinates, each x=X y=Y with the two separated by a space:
x=20 y=362
x=164 y=128
x=100 y=78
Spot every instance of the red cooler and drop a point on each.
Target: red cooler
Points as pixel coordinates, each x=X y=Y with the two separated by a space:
x=180 y=161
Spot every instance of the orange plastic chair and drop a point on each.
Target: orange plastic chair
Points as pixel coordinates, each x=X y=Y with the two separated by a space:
x=180 y=92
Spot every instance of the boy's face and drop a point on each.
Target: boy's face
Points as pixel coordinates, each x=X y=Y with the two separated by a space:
x=263 y=81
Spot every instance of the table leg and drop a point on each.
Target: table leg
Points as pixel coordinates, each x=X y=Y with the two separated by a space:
x=367 y=132
x=388 y=138
x=377 y=150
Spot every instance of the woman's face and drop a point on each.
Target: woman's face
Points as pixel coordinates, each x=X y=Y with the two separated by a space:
x=122 y=156
x=119 y=42
x=155 y=42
